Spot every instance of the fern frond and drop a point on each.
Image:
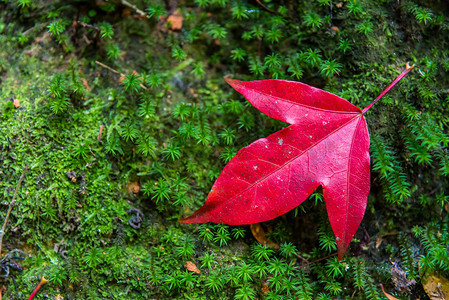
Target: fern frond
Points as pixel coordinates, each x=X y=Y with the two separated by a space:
x=382 y=156
x=359 y=275
x=419 y=152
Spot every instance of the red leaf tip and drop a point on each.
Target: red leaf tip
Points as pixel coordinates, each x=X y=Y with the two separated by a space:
x=196 y=217
x=233 y=82
x=185 y=220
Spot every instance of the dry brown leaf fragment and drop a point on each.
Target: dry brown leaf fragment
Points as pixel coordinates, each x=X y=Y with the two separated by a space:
x=86 y=85
x=190 y=266
x=71 y=175
x=133 y=187
x=386 y=294
x=436 y=286
x=378 y=242
x=265 y=288
x=175 y=20
x=260 y=235
x=126 y=12
x=100 y=132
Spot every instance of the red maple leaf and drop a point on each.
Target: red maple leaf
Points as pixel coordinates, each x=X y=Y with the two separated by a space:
x=326 y=144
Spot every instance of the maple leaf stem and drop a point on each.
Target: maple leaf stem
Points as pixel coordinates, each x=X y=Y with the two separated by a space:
x=407 y=69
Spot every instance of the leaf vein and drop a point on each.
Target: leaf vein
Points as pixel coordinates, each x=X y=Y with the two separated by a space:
x=304 y=105
x=293 y=158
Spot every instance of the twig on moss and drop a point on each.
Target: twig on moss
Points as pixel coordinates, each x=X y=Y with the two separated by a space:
x=88 y=25
x=380 y=237
x=137 y=10
x=266 y=8
x=11 y=205
x=117 y=72
x=319 y=259
x=23 y=33
x=302 y=258
x=109 y=68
